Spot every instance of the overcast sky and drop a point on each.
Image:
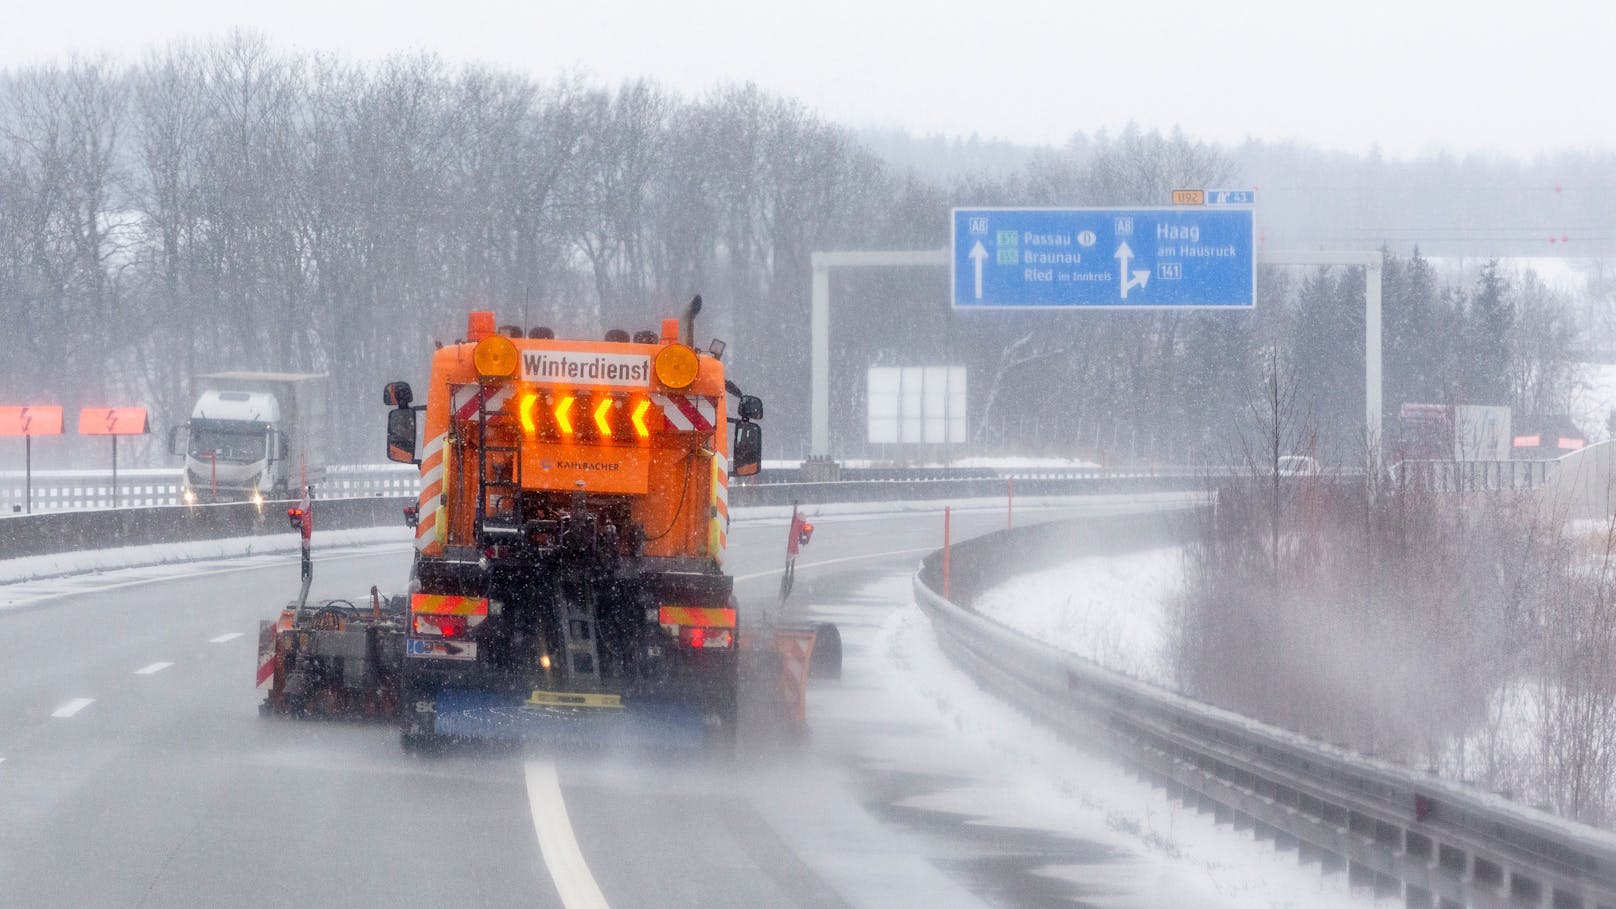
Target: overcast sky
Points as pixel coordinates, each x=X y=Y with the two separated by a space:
x=1410 y=76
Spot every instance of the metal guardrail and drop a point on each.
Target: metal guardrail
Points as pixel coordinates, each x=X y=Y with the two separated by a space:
x=60 y=490
x=932 y=489
x=71 y=490
x=73 y=530
x=771 y=475
x=49 y=533
x=75 y=490
x=1473 y=476
x=1402 y=832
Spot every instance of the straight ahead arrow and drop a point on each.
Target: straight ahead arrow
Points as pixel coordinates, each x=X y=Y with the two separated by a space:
x=1124 y=255
x=978 y=254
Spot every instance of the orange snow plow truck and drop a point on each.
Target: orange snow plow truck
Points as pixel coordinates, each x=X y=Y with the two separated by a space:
x=568 y=582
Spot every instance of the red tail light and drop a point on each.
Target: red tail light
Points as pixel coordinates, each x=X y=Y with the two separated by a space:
x=449 y=626
x=707 y=638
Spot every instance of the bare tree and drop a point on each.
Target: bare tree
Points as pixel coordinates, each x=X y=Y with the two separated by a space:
x=1541 y=374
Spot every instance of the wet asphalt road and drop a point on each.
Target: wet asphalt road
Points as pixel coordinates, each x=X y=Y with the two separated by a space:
x=135 y=770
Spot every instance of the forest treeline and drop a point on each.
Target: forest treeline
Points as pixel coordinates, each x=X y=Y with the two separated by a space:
x=234 y=205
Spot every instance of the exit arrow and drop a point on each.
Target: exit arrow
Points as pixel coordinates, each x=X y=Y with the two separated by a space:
x=978 y=254
x=1124 y=255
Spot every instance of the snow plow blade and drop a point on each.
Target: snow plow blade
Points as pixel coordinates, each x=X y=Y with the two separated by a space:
x=555 y=720
x=776 y=668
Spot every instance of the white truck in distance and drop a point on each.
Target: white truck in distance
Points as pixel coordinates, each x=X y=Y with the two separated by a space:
x=251 y=436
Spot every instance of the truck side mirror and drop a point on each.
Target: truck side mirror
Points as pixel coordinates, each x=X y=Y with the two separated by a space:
x=401 y=435
x=178 y=436
x=397 y=394
x=751 y=407
x=747 y=452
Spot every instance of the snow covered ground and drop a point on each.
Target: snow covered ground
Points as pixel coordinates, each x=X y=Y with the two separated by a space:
x=1111 y=609
x=1043 y=783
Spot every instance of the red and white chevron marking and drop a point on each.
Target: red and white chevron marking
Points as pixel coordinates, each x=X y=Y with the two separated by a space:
x=688 y=413
x=430 y=502
x=467 y=398
x=796 y=649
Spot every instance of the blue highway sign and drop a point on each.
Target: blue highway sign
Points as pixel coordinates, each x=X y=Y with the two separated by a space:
x=1231 y=197
x=1094 y=258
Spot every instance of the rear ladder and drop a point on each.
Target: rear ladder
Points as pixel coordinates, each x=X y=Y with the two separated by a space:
x=499 y=480
x=499 y=474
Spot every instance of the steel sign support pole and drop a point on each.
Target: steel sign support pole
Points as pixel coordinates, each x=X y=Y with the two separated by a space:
x=823 y=262
x=819 y=361
x=1370 y=262
x=1373 y=401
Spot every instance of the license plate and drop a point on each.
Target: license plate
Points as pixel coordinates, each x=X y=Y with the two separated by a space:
x=440 y=650
x=575 y=699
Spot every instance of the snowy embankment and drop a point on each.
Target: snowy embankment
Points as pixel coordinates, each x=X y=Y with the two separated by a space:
x=1118 y=611
x=61 y=564
x=1113 y=610
x=1166 y=853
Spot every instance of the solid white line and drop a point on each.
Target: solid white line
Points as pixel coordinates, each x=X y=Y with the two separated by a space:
x=857 y=558
x=72 y=707
x=557 y=843
x=153 y=669
x=225 y=637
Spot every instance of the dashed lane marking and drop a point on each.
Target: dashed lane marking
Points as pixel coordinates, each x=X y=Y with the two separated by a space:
x=72 y=707
x=153 y=669
x=225 y=637
x=557 y=843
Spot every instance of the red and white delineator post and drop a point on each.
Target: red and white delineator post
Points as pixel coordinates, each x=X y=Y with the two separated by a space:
x=301 y=517
x=801 y=650
x=800 y=533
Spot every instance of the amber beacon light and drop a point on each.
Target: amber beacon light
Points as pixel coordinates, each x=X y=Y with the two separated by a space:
x=676 y=366
x=495 y=357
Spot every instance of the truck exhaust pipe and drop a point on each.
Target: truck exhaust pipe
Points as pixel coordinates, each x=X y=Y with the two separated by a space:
x=688 y=322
